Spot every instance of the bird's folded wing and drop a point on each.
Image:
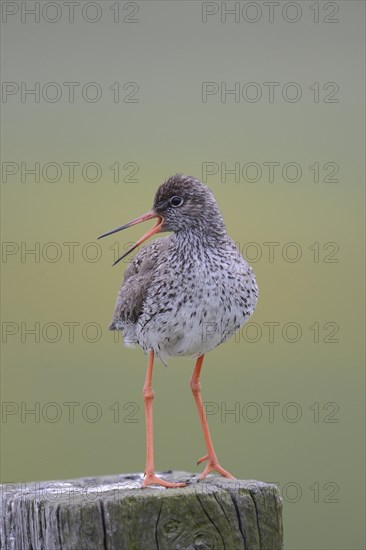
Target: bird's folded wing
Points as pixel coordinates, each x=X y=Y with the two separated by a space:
x=136 y=282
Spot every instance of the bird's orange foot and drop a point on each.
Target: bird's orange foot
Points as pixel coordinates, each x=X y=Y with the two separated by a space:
x=152 y=479
x=213 y=465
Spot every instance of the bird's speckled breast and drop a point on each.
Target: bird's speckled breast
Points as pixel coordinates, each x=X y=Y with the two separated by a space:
x=199 y=297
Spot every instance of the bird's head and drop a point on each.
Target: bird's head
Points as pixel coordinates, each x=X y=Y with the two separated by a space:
x=182 y=203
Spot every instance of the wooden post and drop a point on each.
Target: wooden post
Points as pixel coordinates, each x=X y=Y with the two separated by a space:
x=114 y=513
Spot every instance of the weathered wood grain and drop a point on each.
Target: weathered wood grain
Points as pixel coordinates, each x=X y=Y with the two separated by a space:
x=113 y=513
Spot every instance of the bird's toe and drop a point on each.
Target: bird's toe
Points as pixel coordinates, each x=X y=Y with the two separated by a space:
x=213 y=465
x=152 y=479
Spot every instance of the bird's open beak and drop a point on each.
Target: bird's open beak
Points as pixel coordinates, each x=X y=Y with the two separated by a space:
x=148 y=216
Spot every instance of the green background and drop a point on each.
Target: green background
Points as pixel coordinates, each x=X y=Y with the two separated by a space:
x=313 y=445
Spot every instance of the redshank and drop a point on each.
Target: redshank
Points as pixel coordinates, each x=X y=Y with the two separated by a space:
x=183 y=294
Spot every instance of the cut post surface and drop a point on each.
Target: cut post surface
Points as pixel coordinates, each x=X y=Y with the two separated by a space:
x=114 y=513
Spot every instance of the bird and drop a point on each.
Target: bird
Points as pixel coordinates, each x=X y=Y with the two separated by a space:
x=183 y=295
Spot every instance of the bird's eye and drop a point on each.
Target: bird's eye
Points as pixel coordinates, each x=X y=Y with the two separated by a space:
x=176 y=201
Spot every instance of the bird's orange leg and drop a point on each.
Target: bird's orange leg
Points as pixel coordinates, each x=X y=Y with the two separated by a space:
x=213 y=463
x=150 y=477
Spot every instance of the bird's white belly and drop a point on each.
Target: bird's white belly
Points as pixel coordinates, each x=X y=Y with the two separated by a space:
x=194 y=327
